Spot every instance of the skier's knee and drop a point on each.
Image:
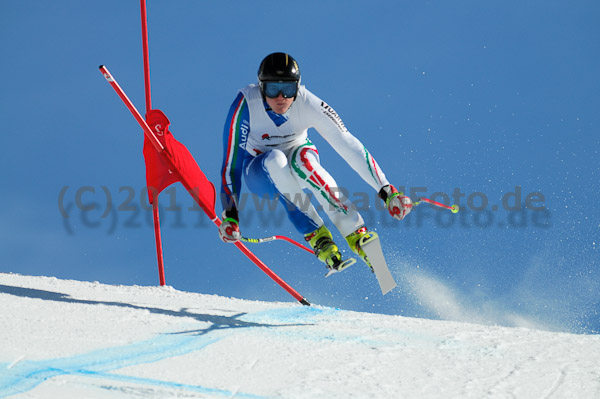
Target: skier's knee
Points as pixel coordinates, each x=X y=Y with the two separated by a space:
x=305 y=160
x=274 y=161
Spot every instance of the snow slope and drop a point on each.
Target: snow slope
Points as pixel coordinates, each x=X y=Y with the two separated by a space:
x=70 y=339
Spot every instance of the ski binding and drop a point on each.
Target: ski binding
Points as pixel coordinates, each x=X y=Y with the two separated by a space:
x=341 y=266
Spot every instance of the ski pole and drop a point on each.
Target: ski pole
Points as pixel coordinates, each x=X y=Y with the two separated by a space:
x=273 y=238
x=454 y=208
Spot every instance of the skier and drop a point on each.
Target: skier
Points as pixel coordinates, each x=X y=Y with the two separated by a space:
x=266 y=141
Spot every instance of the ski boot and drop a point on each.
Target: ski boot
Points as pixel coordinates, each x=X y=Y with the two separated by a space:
x=357 y=239
x=326 y=251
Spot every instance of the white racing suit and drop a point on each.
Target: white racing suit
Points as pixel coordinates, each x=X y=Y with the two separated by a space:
x=277 y=159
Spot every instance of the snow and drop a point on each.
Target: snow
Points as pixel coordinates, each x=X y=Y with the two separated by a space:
x=71 y=339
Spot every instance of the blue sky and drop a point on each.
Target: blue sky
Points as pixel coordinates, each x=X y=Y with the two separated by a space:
x=483 y=97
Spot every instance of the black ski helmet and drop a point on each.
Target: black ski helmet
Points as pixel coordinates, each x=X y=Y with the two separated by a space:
x=278 y=67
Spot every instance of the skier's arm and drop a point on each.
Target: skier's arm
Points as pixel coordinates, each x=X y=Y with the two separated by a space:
x=329 y=124
x=233 y=156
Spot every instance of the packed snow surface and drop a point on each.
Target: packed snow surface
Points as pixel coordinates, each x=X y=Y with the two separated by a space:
x=71 y=339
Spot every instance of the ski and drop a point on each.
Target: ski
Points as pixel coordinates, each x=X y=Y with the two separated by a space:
x=342 y=266
x=376 y=260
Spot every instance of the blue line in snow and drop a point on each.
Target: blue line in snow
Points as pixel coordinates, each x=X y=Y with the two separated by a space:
x=302 y=314
x=27 y=375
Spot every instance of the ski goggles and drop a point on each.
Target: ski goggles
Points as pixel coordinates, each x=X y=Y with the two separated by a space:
x=287 y=88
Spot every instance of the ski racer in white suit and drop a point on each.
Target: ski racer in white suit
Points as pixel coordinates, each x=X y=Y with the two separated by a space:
x=266 y=142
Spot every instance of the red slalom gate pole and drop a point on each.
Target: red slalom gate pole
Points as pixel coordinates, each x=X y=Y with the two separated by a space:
x=138 y=117
x=167 y=158
x=266 y=269
x=155 y=212
x=146 y=55
x=158 y=241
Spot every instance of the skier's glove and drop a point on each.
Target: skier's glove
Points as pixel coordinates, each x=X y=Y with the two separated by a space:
x=229 y=230
x=397 y=203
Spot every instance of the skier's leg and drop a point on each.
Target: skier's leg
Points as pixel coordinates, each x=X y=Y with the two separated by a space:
x=269 y=175
x=307 y=168
x=310 y=174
